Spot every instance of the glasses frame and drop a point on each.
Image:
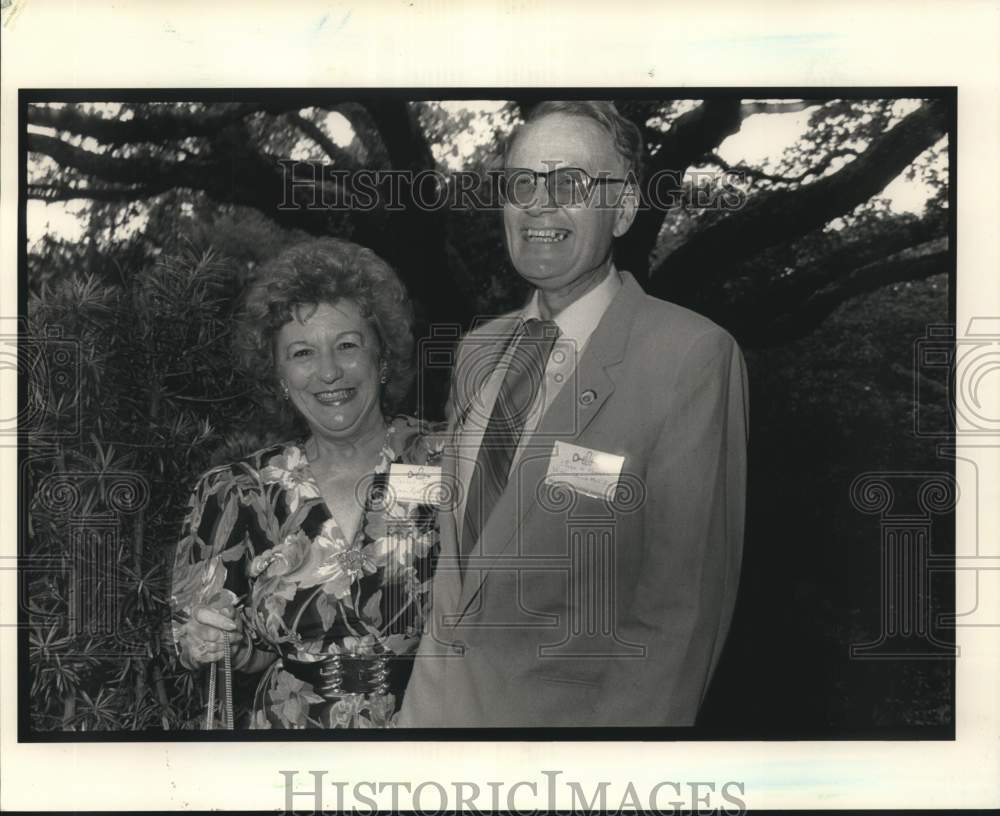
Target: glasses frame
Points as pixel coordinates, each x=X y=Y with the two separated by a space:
x=589 y=184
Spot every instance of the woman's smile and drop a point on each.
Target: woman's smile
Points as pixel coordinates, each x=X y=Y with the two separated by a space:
x=335 y=397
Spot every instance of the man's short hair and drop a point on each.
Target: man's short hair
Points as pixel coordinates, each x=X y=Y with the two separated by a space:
x=624 y=134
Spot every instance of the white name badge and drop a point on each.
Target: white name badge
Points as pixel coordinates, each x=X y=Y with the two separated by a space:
x=418 y=484
x=591 y=472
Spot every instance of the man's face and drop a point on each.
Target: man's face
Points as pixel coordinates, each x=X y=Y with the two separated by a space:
x=562 y=248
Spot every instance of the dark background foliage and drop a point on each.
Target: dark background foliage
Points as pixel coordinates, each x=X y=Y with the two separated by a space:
x=825 y=285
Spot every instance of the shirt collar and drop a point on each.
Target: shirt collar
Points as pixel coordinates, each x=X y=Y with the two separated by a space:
x=578 y=320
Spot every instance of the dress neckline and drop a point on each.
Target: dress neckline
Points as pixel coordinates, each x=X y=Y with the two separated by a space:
x=386 y=456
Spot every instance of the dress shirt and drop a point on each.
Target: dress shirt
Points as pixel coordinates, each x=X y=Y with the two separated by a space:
x=576 y=323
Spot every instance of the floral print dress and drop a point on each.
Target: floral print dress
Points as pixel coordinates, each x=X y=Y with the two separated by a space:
x=259 y=537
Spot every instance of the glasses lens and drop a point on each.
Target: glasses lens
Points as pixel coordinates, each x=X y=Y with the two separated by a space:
x=565 y=186
x=568 y=186
x=519 y=187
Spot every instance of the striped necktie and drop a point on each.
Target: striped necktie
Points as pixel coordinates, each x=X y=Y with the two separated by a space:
x=506 y=424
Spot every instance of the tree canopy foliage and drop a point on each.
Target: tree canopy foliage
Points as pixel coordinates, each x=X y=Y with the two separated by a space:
x=810 y=233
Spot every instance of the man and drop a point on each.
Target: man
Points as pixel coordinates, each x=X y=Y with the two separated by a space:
x=591 y=557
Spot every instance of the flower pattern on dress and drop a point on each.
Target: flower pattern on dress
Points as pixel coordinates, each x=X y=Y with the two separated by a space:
x=290 y=700
x=291 y=471
x=258 y=534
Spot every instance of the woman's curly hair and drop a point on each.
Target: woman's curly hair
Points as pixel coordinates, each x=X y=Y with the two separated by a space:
x=326 y=270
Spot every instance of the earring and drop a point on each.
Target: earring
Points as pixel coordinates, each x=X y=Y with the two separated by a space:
x=384 y=374
x=284 y=391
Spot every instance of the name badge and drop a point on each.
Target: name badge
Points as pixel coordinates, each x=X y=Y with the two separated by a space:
x=416 y=484
x=591 y=472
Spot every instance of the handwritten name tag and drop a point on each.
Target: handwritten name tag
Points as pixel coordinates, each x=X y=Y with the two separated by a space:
x=588 y=471
x=419 y=484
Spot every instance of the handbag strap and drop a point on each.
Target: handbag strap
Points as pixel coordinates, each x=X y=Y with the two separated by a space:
x=227 y=682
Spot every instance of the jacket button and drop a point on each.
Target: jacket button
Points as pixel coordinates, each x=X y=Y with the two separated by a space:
x=588 y=396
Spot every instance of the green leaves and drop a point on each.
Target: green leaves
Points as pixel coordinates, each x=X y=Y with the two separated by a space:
x=141 y=362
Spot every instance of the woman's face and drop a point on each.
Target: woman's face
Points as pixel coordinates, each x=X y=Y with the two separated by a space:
x=330 y=364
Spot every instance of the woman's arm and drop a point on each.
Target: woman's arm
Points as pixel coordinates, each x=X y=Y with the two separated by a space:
x=207 y=582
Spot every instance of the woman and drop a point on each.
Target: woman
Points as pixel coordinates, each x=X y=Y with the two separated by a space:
x=296 y=556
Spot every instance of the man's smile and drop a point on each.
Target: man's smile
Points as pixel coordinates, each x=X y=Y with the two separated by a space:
x=544 y=236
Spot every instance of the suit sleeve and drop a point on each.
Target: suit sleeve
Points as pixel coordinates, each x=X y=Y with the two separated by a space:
x=692 y=544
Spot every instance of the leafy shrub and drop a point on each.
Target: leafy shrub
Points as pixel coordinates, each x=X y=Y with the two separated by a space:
x=150 y=399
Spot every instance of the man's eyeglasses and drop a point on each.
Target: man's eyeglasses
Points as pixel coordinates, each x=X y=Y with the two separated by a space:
x=566 y=186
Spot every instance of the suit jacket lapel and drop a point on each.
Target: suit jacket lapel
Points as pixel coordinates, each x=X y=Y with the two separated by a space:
x=568 y=417
x=485 y=354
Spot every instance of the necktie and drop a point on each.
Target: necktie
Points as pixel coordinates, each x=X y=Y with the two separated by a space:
x=506 y=424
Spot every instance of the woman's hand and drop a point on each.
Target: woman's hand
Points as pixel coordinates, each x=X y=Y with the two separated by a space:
x=202 y=638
